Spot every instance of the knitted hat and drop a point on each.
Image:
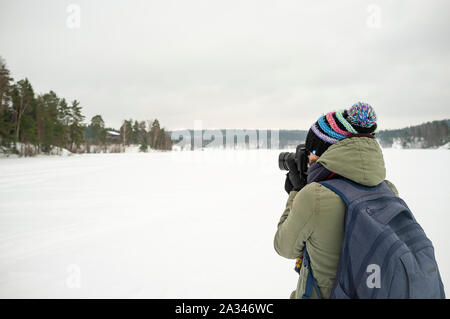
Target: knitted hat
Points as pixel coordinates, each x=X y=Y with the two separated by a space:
x=335 y=126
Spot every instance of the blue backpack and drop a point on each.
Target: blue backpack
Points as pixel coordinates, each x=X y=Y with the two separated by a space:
x=385 y=252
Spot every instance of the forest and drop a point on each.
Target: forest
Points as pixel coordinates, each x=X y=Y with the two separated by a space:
x=32 y=123
x=427 y=135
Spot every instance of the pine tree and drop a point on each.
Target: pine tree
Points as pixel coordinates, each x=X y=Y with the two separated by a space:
x=96 y=132
x=6 y=112
x=144 y=145
x=126 y=132
x=76 y=128
x=154 y=134
x=47 y=120
x=142 y=131
x=63 y=124
x=135 y=134
x=22 y=101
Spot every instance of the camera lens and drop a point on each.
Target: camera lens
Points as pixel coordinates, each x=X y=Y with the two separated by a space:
x=282 y=160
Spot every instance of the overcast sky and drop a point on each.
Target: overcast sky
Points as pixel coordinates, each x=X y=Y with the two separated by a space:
x=233 y=64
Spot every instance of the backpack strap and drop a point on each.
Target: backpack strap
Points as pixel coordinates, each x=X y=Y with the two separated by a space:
x=310 y=281
x=350 y=191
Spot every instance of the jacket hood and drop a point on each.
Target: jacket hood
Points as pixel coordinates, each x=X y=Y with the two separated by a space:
x=359 y=159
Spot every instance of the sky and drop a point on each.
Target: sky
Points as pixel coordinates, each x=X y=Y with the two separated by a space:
x=234 y=63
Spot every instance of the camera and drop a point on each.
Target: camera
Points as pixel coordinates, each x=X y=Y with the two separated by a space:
x=300 y=157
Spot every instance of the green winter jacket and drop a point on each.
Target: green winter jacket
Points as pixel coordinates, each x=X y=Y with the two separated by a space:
x=315 y=215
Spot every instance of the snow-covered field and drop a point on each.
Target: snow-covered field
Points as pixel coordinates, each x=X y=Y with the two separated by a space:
x=172 y=225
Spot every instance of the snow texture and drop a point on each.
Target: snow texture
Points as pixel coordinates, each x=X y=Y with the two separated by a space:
x=172 y=224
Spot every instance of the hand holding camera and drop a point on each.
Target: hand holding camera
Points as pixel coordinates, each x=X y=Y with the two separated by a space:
x=296 y=164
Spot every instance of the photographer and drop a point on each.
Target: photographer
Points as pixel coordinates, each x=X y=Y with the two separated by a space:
x=339 y=144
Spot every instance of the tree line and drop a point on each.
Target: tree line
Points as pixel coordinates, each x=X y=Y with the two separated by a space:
x=148 y=134
x=43 y=122
x=427 y=135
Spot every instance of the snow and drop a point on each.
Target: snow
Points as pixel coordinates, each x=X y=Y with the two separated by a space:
x=446 y=146
x=31 y=150
x=171 y=224
x=113 y=133
x=109 y=148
